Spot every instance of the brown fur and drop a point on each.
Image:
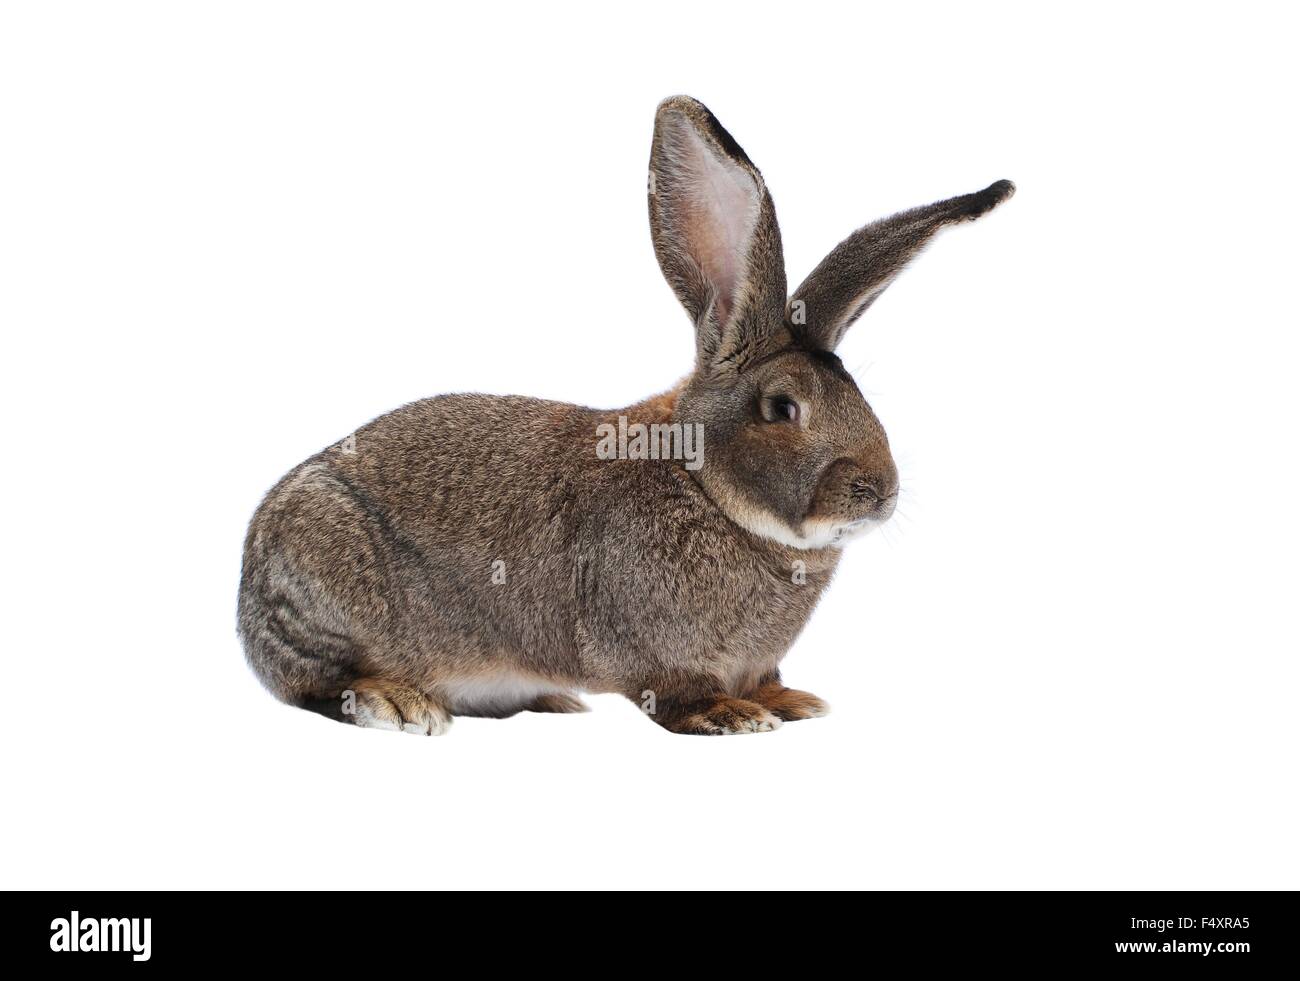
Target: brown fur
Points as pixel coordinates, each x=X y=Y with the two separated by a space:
x=789 y=704
x=472 y=554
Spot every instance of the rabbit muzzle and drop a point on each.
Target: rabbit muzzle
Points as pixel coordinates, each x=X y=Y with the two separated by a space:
x=854 y=496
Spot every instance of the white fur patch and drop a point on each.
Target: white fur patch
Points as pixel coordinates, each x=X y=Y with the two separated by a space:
x=367 y=719
x=817 y=533
x=497 y=692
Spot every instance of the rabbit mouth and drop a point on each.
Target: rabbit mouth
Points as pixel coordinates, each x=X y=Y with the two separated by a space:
x=815 y=531
x=831 y=533
x=837 y=533
x=854 y=529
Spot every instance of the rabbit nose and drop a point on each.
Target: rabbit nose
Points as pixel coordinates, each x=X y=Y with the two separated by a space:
x=876 y=487
x=880 y=482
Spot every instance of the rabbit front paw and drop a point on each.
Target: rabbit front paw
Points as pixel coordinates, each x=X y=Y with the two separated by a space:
x=724 y=717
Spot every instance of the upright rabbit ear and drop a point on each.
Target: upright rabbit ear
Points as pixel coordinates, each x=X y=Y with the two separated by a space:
x=716 y=237
x=859 y=269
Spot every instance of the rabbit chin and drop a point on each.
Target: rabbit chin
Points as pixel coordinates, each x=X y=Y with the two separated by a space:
x=814 y=533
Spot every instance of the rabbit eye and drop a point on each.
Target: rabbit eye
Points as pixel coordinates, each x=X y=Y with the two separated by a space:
x=785 y=409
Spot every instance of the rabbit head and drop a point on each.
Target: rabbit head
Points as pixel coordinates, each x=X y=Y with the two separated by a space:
x=792 y=451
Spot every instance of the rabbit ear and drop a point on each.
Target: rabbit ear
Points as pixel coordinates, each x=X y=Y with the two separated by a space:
x=716 y=237
x=860 y=268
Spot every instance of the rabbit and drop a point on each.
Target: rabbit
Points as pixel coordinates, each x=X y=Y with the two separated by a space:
x=478 y=555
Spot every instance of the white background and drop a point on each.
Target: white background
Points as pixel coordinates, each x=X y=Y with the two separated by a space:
x=231 y=233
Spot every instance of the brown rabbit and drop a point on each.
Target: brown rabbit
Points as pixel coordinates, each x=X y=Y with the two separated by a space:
x=483 y=555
